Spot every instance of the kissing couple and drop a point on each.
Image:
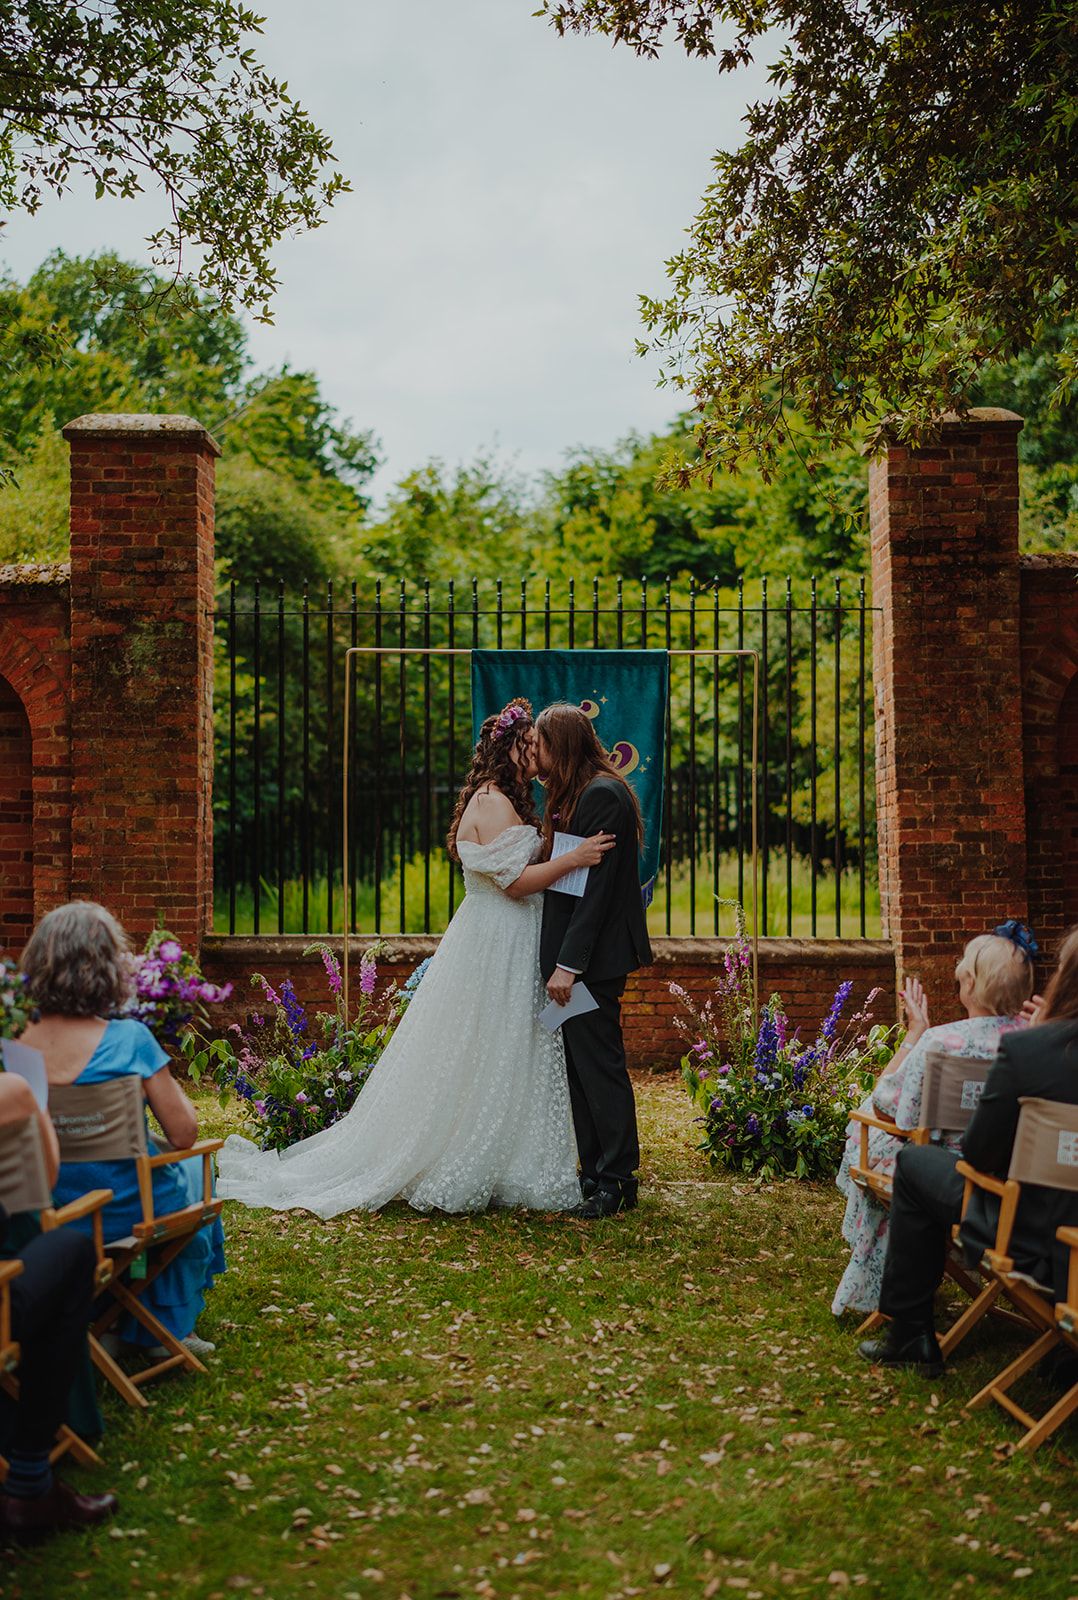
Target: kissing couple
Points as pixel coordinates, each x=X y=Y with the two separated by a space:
x=474 y=1102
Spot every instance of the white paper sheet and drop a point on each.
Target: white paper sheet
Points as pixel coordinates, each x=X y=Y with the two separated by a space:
x=581 y=1001
x=29 y=1064
x=574 y=882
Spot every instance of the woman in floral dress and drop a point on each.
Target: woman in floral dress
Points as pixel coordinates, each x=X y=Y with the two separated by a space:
x=995 y=979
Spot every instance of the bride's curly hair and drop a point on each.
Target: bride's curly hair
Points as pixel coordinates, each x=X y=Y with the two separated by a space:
x=494 y=763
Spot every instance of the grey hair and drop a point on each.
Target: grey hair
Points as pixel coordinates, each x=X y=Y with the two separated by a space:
x=77 y=963
x=1001 y=973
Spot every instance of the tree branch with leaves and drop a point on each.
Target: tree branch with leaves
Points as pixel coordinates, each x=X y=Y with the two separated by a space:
x=901 y=215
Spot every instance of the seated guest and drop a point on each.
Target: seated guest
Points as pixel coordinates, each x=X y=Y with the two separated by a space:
x=995 y=980
x=1040 y=1061
x=78 y=971
x=50 y=1309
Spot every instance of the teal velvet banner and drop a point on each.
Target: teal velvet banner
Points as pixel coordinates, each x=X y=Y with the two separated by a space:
x=623 y=691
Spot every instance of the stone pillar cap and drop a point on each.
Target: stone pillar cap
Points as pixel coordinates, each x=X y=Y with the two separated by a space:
x=148 y=427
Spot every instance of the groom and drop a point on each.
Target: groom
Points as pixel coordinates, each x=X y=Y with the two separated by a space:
x=599 y=937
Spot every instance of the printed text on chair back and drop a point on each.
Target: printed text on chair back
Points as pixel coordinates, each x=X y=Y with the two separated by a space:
x=99 y=1121
x=952 y=1090
x=1046 y=1144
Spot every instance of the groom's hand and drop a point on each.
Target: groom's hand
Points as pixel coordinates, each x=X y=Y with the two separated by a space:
x=560 y=985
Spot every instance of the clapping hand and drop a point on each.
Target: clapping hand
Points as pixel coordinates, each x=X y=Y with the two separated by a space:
x=1032 y=1008
x=917 y=1019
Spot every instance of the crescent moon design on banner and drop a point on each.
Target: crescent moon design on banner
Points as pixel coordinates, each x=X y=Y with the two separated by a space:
x=590 y=708
x=625 y=756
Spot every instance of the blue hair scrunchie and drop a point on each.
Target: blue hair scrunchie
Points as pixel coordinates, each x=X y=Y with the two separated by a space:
x=1020 y=935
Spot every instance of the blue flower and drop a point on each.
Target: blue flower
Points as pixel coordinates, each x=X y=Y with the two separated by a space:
x=767 y=1043
x=752 y=1124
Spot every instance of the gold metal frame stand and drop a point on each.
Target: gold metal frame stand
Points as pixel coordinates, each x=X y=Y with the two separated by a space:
x=446 y=650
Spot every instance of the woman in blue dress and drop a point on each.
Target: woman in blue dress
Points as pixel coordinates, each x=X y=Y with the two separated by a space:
x=78 y=968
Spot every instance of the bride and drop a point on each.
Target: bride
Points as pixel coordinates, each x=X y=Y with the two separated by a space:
x=469 y=1103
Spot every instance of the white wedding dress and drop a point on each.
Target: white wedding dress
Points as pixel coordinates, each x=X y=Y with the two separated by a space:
x=469 y=1104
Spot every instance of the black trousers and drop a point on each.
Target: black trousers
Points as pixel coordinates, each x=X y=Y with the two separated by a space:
x=50 y=1312
x=925 y=1204
x=604 y=1108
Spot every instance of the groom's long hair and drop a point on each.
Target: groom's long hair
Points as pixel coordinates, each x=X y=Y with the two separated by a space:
x=576 y=757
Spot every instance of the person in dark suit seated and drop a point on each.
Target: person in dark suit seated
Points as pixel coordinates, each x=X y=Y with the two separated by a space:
x=50 y=1311
x=600 y=937
x=1041 y=1062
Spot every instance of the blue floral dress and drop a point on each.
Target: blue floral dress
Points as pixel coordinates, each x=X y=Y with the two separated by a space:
x=177 y=1296
x=897 y=1095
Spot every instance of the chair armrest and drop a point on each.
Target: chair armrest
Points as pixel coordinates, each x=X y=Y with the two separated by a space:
x=884 y=1124
x=204 y=1147
x=84 y=1206
x=9 y=1270
x=982 y=1180
x=1068 y=1236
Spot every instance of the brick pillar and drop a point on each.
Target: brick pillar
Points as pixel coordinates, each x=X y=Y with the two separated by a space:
x=142 y=496
x=945 y=575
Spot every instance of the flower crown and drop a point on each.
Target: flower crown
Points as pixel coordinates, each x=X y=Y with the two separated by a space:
x=509 y=718
x=1019 y=935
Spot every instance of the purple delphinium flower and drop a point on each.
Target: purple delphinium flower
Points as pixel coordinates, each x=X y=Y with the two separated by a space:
x=767 y=1044
x=842 y=994
x=752 y=1124
x=295 y=1016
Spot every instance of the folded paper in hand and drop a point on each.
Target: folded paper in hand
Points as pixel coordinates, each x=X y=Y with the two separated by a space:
x=580 y=1001
x=574 y=882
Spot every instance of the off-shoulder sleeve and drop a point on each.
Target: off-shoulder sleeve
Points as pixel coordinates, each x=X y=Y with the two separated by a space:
x=504 y=859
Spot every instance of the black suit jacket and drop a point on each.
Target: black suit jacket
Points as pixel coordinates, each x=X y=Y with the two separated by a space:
x=602 y=933
x=1040 y=1062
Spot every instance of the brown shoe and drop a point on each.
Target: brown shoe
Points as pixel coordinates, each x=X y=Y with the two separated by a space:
x=25 y=1521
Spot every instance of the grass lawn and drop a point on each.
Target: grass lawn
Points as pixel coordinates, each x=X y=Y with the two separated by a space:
x=516 y=1405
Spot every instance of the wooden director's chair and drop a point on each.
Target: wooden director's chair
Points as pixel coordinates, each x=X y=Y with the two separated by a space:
x=106 y=1122
x=24 y=1186
x=1045 y=1154
x=949 y=1097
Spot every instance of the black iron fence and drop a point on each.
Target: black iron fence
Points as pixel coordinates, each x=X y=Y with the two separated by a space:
x=280 y=693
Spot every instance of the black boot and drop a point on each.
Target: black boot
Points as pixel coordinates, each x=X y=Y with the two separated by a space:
x=904 y=1345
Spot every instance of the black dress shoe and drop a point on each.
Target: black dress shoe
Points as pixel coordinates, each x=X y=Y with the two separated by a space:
x=588 y=1187
x=26 y=1521
x=905 y=1347
x=604 y=1203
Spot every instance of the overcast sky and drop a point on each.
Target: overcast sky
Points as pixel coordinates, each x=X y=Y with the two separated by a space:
x=513 y=193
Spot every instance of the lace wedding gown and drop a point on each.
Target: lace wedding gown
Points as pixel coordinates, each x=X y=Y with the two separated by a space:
x=469 y=1103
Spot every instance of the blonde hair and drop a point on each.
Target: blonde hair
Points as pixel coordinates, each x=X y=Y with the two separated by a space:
x=77 y=961
x=1001 y=974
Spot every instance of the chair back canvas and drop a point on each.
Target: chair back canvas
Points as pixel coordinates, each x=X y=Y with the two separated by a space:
x=1046 y=1145
x=24 y=1180
x=952 y=1090
x=99 y=1121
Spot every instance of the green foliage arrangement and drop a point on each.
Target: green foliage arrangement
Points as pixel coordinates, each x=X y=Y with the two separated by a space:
x=295 y=1075
x=770 y=1104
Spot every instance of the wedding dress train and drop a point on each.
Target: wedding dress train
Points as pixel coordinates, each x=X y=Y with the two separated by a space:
x=469 y=1103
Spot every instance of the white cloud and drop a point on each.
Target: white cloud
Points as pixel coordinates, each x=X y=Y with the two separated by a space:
x=513 y=193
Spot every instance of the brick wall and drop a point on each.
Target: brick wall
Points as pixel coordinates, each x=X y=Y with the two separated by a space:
x=142 y=501
x=945 y=574
x=1050 y=722
x=806 y=972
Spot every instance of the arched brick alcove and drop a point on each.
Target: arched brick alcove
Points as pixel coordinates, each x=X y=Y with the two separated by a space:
x=16 y=821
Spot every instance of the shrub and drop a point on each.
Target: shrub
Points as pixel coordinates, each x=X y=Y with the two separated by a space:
x=296 y=1075
x=772 y=1105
